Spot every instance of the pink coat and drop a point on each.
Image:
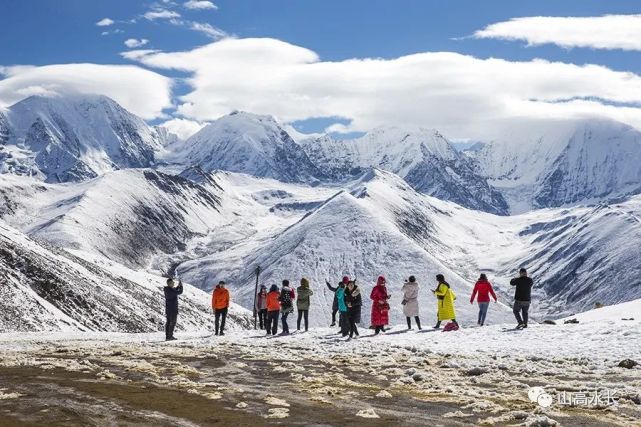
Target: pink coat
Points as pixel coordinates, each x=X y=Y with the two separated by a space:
x=380 y=307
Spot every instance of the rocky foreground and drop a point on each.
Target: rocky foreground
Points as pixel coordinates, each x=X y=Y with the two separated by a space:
x=472 y=376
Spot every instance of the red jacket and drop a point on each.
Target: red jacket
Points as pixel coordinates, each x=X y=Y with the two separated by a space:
x=484 y=289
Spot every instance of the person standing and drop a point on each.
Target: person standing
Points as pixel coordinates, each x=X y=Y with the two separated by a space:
x=445 y=297
x=220 y=304
x=273 y=310
x=342 y=310
x=522 y=297
x=335 y=302
x=354 y=302
x=286 y=305
x=483 y=288
x=261 y=306
x=303 y=303
x=410 y=302
x=380 y=306
x=171 y=307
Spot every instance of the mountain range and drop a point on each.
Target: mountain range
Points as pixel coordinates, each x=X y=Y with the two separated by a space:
x=86 y=183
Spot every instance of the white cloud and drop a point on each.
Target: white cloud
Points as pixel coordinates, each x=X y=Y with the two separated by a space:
x=133 y=43
x=141 y=91
x=208 y=30
x=461 y=95
x=601 y=32
x=105 y=22
x=183 y=128
x=200 y=5
x=152 y=15
x=115 y=31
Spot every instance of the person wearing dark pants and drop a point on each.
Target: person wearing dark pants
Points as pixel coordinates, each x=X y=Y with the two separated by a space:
x=170 y=325
x=520 y=310
x=343 y=283
x=261 y=306
x=273 y=310
x=221 y=317
x=286 y=305
x=303 y=302
x=354 y=302
x=171 y=307
x=522 y=297
x=220 y=304
x=302 y=315
x=410 y=302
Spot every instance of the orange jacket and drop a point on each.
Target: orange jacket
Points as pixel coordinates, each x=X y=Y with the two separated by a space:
x=273 y=303
x=220 y=298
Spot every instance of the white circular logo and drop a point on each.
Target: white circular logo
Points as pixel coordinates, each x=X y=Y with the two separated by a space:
x=540 y=396
x=545 y=400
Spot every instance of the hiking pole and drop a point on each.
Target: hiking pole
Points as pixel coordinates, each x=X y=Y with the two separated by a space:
x=255 y=295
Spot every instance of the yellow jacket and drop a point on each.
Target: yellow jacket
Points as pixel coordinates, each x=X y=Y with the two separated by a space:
x=445 y=298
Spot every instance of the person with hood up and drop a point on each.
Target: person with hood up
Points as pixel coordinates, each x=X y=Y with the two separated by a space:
x=483 y=288
x=261 y=306
x=273 y=310
x=445 y=298
x=380 y=306
x=410 y=302
x=286 y=305
x=335 y=302
x=171 y=307
x=220 y=305
x=303 y=303
x=354 y=302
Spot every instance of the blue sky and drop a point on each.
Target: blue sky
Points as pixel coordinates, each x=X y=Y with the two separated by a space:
x=42 y=32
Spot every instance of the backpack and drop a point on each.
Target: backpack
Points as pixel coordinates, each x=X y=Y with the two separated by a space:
x=451 y=326
x=286 y=299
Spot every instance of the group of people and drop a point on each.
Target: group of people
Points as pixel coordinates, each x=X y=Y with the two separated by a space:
x=275 y=304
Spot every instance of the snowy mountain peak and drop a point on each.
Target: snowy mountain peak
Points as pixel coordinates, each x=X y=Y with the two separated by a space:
x=75 y=137
x=569 y=162
x=248 y=143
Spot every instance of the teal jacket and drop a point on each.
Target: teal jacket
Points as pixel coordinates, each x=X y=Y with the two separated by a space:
x=340 y=295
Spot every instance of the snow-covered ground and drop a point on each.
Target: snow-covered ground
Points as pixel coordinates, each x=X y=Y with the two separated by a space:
x=474 y=375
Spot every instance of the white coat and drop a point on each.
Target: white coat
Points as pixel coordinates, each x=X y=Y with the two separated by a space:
x=410 y=296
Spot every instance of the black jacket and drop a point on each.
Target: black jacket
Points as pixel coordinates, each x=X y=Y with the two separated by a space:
x=334 y=289
x=523 y=288
x=354 y=302
x=171 y=298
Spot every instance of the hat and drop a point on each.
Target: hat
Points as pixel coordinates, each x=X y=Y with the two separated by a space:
x=345 y=279
x=304 y=282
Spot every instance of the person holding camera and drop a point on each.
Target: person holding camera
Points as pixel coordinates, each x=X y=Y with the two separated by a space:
x=171 y=307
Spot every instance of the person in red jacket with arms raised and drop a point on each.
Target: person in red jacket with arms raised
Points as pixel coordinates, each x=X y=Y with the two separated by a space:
x=483 y=288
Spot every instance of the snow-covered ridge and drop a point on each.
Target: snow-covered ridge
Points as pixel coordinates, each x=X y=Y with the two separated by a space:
x=423 y=157
x=49 y=289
